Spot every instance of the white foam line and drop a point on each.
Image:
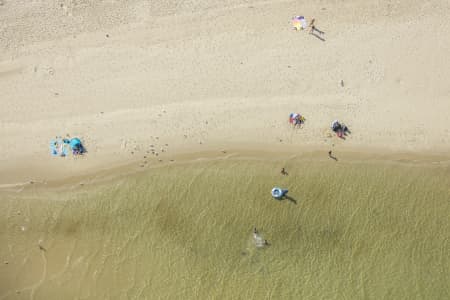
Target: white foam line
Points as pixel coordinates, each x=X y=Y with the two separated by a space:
x=19 y=184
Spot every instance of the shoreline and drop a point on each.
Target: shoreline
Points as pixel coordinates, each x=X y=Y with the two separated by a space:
x=92 y=175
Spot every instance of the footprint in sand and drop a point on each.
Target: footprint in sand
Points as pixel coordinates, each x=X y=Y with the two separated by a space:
x=44 y=71
x=66 y=9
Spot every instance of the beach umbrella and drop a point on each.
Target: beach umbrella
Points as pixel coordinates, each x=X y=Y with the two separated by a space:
x=75 y=144
x=299 y=23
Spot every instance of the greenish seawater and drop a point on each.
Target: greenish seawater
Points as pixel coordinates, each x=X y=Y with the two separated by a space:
x=357 y=231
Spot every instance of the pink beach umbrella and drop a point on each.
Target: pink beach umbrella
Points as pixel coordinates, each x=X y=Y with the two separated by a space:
x=298 y=23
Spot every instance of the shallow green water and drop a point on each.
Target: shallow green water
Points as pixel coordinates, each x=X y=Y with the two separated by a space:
x=357 y=231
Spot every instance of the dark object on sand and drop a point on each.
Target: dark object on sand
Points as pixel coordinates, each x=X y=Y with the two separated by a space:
x=340 y=128
x=296 y=119
x=330 y=155
x=77 y=146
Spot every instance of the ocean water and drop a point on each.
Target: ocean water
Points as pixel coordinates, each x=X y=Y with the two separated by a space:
x=351 y=230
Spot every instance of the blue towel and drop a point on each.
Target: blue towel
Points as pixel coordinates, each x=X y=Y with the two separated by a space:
x=53 y=147
x=58 y=147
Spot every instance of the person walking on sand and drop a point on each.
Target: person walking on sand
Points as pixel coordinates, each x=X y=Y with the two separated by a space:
x=313 y=27
x=283 y=171
x=330 y=155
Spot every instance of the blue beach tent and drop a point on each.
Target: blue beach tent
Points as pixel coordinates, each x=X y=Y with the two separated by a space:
x=75 y=144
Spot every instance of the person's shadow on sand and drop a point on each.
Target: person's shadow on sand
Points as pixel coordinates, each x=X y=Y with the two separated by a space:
x=289 y=198
x=318 y=36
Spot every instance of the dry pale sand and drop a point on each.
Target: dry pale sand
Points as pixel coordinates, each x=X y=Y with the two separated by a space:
x=188 y=76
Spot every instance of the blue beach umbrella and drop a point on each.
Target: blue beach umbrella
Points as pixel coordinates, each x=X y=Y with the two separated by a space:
x=75 y=144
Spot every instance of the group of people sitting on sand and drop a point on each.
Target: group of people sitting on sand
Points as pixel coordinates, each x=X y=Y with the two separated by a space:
x=339 y=128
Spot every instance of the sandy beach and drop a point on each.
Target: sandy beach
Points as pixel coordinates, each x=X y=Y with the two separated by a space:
x=188 y=77
x=183 y=108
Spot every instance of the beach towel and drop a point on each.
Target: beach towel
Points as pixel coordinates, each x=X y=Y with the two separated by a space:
x=58 y=147
x=53 y=147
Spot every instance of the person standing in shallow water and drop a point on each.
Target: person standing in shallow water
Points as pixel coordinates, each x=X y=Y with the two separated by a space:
x=258 y=239
x=330 y=155
x=255 y=233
